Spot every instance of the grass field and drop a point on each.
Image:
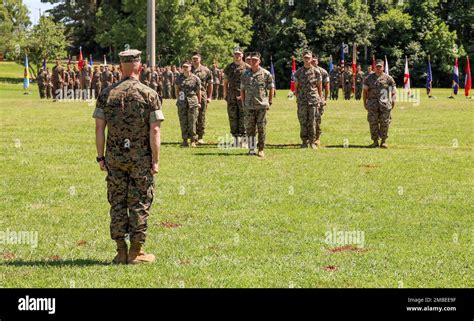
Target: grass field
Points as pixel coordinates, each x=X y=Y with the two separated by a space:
x=224 y=219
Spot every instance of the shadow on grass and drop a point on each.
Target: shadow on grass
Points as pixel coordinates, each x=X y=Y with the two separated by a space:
x=11 y=80
x=77 y=262
x=349 y=146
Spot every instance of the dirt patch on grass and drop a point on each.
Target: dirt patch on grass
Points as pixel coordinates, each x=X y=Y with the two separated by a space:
x=347 y=248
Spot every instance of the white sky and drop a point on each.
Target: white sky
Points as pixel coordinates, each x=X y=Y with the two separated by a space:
x=34 y=6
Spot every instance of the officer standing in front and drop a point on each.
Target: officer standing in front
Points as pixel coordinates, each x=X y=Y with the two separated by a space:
x=132 y=114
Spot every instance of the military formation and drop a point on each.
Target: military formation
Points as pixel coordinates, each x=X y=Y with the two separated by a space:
x=74 y=82
x=129 y=105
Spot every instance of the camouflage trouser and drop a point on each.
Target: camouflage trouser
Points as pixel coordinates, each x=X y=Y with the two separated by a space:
x=201 y=119
x=347 y=91
x=358 y=92
x=307 y=118
x=379 y=119
x=317 y=117
x=167 y=92
x=187 y=120
x=215 y=91
x=57 y=90
x=255 y=120
x=49 y=91
x=221 y=92
x=334 y=91
x=42 y=90
x=97 y=88
x=235 y=111
x=130 y=191
x=154 y=86
x=86 y=88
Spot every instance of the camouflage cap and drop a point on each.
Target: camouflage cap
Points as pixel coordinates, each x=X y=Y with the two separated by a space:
x=254 y=55
x=131 y=55
x=307 y=53
x=379 y=62
x=238 y=50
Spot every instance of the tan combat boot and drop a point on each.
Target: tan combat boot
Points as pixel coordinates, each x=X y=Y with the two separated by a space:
x=260 y=153
x=383 y=144
x=122 y=249
x=317 y=142
x=137 y=256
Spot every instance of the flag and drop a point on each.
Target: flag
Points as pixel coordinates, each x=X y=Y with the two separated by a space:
x=406 y=78
x=455 y=77
x=44 y=63
x=105 y=61
x=26 y=75
x=373 y=63
x=272 y=71
x=90 y=60
x=293 y=70
x=468 y=82
x=386 y=66
x=429 y=78
x=330 y=64
x=81 y=60
x=342 y=63
x=354 y=66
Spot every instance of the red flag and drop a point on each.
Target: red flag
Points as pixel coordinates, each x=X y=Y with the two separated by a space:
x=373 y=63
x=354 y=66
x=468 y=82
x=81 y=60
x=293 y=70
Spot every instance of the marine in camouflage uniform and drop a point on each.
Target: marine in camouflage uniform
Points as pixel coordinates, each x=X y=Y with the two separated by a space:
x=359 y=82
x=49 y=85
x=168 y=83
x=145 y=75
x=116 y=74
x=188 y=91
x=324 y=98
x=106 y=78
x=232 y=77
x=77 y=81
x=216 y=80
x=347 y=86
x=221 y=86
x=205 y=76
x=257 y=93
x=42 y=83
x=175 y=76
x=86 y=78
x=132 y=113
x=335 y=78
x=308 y=92
x=379 y=99
x=96 y=81
x=58 y=80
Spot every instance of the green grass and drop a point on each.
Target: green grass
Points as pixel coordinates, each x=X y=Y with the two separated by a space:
x=246 y=222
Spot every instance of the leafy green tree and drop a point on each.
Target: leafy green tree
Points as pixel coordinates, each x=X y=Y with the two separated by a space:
x=46 y=40
x=14 y=23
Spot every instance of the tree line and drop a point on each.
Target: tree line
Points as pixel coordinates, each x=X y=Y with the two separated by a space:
x=278 y=29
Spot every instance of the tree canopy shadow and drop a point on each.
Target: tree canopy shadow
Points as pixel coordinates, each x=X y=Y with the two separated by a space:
x=71 y=262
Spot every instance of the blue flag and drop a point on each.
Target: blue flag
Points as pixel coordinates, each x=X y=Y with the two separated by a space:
x=272 y=71
x=90 y=61
x=330 y=64
x=26 y=76
x=429 y=78
x=456 y=77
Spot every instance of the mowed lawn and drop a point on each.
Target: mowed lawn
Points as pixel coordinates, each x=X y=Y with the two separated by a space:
x=223 y=219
